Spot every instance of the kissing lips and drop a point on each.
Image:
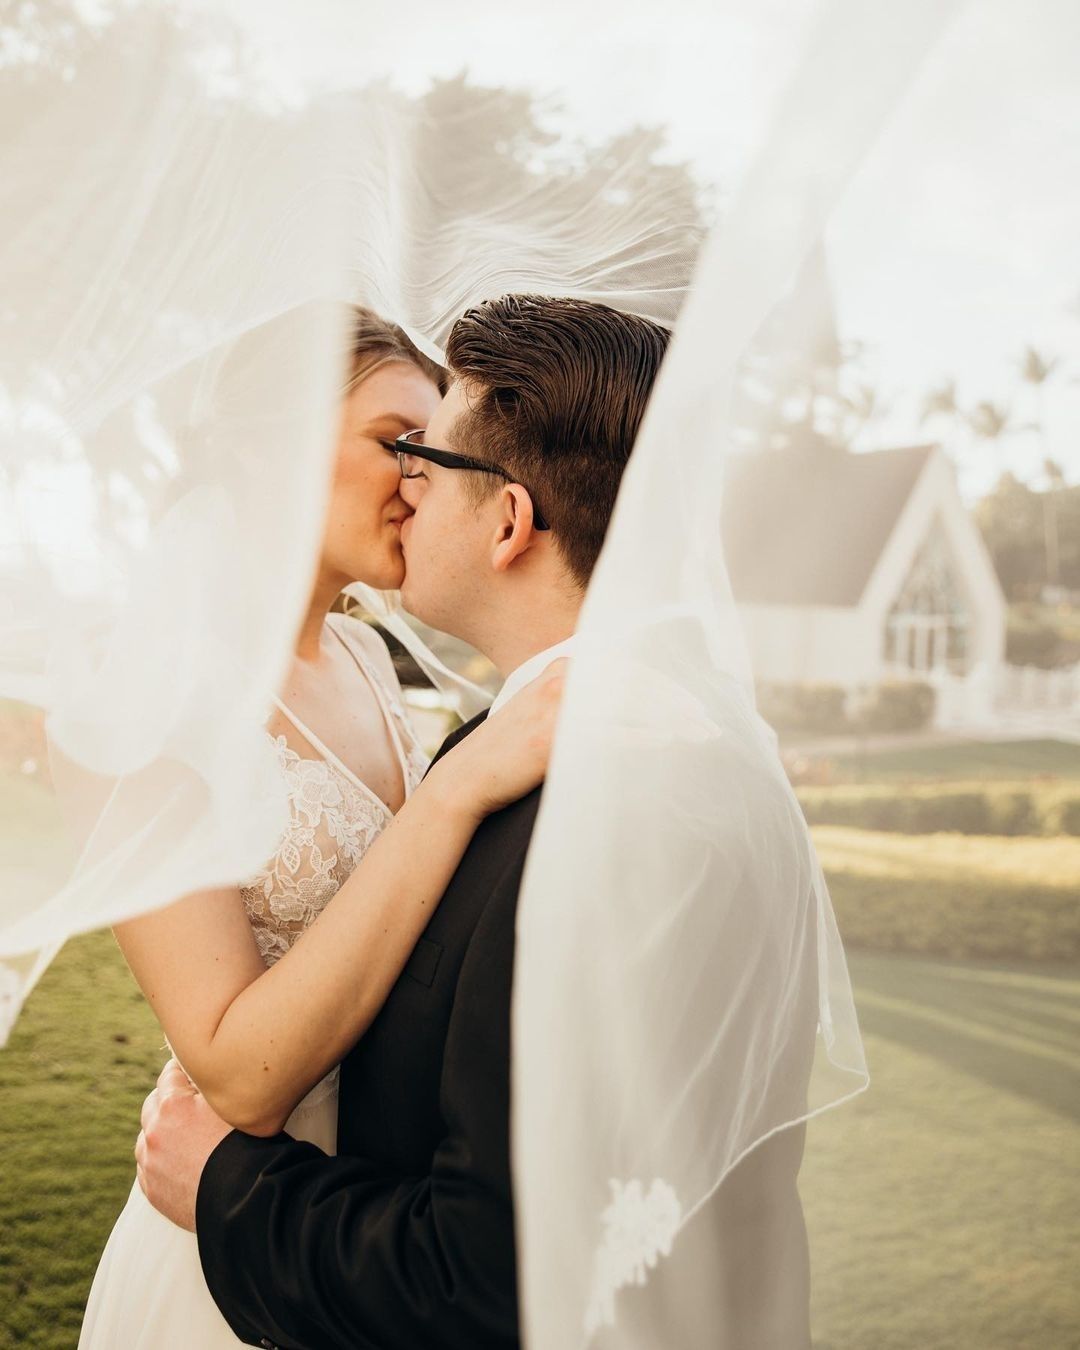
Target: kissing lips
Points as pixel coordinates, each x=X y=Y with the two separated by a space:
x=399 y=525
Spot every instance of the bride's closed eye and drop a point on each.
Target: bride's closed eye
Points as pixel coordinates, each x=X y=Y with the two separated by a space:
x=391 y=447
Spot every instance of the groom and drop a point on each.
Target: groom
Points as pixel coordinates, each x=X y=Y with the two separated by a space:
x=405 y=1240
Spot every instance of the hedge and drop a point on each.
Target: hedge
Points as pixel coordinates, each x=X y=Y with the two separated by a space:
x=827 y=709
x=896 y=706
x=804 y=709
x=959 y=808
x=955 y=896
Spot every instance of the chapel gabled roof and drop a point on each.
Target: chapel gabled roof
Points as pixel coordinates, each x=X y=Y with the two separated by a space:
x=806 y=525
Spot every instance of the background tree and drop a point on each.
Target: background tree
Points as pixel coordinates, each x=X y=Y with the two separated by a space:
x=860 y=407
x=941 y=411
x=990 y=423
x=1012 y=519
x=1051 y=498
x=1036 y=371
x=800 y=384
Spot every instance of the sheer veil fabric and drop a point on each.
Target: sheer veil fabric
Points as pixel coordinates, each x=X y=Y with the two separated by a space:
x=681 y=995
x=190 y=234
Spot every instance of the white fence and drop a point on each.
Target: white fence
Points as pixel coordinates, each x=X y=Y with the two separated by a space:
x=1024 y=698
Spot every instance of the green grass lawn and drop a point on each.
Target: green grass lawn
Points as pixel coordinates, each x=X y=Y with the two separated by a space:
x=962 y=761
x=944 y=1204
x=82 y=1057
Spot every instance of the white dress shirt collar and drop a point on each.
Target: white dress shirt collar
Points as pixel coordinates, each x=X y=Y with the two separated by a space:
x=528 y=670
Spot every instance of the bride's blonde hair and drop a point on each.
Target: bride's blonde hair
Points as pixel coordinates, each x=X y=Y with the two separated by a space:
x=376 y=341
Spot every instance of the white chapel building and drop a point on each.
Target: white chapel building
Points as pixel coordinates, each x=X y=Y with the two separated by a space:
x=852 y=569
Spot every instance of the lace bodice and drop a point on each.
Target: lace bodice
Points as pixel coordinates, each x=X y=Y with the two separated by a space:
x=333 y=820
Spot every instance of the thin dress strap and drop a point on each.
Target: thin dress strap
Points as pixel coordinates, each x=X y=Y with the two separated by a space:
x=324 y=750
x=320 y=745
x=373 y=678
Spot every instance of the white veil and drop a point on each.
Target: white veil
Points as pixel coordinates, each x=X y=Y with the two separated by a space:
x=681 y=995
x=174 y=313
x=190 y=232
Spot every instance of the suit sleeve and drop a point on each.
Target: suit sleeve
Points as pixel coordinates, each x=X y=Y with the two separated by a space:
x=301 y=1250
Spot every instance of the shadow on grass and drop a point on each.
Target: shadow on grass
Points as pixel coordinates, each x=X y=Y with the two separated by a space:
x=1018 y=1031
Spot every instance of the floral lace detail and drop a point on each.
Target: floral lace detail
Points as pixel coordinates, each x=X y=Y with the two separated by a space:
x=639 y=1228
x=332 y=823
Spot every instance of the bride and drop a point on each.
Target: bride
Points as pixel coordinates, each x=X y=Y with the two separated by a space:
x=257 y=986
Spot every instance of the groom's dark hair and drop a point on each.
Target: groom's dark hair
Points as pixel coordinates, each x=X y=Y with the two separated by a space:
x=557 y=389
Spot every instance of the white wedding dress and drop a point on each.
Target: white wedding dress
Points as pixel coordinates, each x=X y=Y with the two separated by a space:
x=148 y=1292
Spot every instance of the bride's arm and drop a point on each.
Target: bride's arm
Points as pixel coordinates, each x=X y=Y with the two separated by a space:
x=255 y=1040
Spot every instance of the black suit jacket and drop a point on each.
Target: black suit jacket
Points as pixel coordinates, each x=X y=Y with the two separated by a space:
x=405 y=1240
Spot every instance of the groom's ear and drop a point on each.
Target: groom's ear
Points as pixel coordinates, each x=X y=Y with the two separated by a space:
x=514 y=533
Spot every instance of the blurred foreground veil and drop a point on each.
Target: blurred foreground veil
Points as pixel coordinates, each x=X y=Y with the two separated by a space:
x=185 y=236
x=681 y=1001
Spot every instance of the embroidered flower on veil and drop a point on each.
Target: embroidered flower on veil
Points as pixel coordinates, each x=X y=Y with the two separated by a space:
x=639 y=1228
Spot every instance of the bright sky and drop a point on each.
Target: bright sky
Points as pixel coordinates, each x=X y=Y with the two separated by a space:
x=960 y=242
x=957 y=245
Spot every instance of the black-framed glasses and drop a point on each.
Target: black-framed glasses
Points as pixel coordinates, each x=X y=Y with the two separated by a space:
x=411 y=451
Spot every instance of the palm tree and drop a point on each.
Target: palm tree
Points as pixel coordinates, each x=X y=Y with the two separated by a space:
x=941 y=405
x=1036 y=370
x=856 y=410
x=941 y=401
x=990 y=421
x=1055 y=481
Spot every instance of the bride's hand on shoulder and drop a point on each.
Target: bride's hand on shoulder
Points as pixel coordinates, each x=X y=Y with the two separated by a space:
x=507 y=755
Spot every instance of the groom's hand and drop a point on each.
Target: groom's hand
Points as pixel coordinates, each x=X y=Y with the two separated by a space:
x=179 y=1132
